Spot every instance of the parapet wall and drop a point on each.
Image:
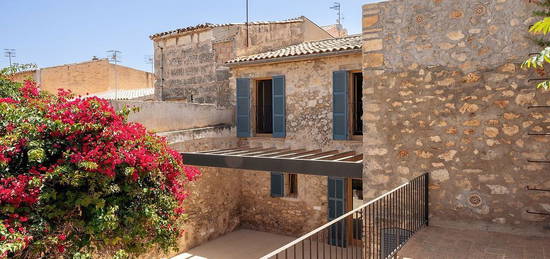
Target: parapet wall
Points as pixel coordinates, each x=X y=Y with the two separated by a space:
x=173 y=116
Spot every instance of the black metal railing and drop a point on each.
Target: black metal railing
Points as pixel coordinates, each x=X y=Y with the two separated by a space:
x=377 y=229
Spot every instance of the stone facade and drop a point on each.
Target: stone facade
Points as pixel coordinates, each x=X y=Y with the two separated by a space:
x=224 y=199
x=190 y=64
x=308 y=90
x=444 y=93
x=308 y=87
x=293 y=216
x=89 y=77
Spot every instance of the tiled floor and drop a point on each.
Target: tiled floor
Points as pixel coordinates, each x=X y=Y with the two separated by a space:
x=441 y=243
x=249 y=244
x=239 y=244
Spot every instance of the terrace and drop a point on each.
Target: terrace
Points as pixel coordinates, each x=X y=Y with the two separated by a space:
x=441 y=243
x=395 y=225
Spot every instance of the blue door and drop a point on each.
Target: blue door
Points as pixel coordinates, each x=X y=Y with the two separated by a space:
x=337 y=208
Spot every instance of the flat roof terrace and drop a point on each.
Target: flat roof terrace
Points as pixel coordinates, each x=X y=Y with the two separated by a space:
x=448 y=243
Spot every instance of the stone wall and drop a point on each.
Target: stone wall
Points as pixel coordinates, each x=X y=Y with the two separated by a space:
x=191 y=64
x=292 y=216
x=213 y=205
x=186 y=66
x=308 y=87
x=444 y=93
x=308 y=101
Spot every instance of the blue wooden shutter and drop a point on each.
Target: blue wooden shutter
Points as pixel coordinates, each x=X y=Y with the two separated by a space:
x=340 y=105
x=243 y=107
x=278 y=95
x=277 y=184
x=337 y=208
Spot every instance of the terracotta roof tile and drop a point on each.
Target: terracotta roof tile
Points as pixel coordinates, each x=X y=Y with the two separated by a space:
x=306 y=48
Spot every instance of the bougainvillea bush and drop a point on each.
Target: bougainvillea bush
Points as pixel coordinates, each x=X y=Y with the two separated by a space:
x=76 y=178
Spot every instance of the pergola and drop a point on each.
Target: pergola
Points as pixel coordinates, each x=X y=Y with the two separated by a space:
x=315 y=162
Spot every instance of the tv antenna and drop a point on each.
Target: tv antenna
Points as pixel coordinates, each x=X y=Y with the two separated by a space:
x=9 y=53
x=149 y=60
x=114 y=57
x=336 y=6
x=247 y=23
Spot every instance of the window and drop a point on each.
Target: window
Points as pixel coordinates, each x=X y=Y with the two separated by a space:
x=347 y=105
x=357 y=103
x=292 y=189
x=264 y=107
x=284 y=185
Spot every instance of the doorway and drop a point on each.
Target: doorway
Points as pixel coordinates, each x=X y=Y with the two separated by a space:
x=355 y=200
x=344 y=195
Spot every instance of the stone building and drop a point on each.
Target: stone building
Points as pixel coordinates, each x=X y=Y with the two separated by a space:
x=304 y=73
x=429 y=86
x=454 y=102
x=189 y=62
x=90 y=77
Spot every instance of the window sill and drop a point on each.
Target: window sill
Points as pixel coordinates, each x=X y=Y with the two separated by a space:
x=290 y=198
x=266 y=137
x=352 y=141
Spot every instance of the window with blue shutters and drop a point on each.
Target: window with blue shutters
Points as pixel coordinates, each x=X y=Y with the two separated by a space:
x=264 y=106
x=284 y=185
x=243 y=107
x=270 y=111
x=347 y=104
x=279 y=119
x=340 y=105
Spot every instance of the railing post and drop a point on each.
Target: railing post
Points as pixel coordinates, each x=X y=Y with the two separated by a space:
x=426 y=200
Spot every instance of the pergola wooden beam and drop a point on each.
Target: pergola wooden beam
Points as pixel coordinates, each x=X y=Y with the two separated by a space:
x=314 y=162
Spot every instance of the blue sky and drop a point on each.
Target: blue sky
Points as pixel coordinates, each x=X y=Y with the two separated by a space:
x=56 y=32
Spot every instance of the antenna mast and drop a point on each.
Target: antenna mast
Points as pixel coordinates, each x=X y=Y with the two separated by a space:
x=246 y=23
x=114 y=57
x=336 y=6
x=149 y=60
x=9 y=53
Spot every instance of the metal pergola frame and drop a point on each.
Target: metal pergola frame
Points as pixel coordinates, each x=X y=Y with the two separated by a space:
x=314 y=162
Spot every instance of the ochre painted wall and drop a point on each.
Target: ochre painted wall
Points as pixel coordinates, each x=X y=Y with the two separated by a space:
x=82 y=78
x=89 y=77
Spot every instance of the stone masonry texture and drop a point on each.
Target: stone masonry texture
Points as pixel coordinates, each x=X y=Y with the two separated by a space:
x=213 y=205
x=308 y=87
x=191 y=66
x=308 y=91
x=444 y=93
